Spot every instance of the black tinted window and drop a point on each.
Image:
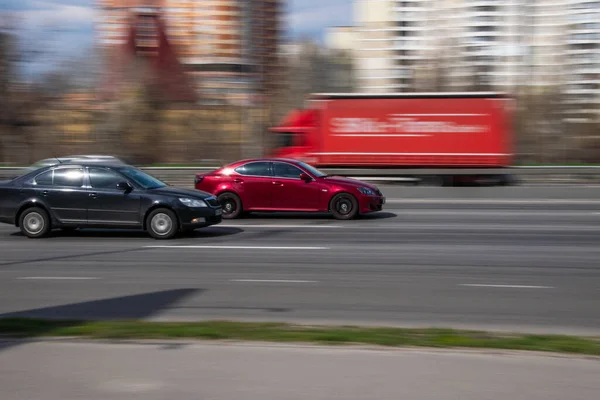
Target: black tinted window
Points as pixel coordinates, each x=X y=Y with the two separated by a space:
x=254 y=169
x=71 y=177
x=284 y=170
x=44 y=179
x=102 y=178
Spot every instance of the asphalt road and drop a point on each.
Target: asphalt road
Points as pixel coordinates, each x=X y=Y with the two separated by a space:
x=96 y=371
x=515 y=258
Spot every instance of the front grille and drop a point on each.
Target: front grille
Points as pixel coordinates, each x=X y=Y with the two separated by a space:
x=213 y=202
x=378 y=192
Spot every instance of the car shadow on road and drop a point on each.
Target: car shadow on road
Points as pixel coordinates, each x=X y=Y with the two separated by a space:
x=313 y=216
x=23 y=324
x=206 y=233
x=377 y=216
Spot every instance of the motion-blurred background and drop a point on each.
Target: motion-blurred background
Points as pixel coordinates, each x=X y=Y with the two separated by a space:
x=178 y=81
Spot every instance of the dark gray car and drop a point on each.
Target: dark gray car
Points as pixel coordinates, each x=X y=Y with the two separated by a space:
x=102 y=195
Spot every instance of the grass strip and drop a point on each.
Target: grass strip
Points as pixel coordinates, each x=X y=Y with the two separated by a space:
x=279 y=332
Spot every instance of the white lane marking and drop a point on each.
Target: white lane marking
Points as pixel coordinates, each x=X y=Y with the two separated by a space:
x=57 y=278
x=271 y=281
x=531 y=213
x=489 y=201
x=506 y=286
x=274 y=226
x=489 y=227
x=240 y=247
x=459 y=226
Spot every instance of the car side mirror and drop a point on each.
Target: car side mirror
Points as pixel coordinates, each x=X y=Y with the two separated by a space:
x=305 y=177
x=124 y=186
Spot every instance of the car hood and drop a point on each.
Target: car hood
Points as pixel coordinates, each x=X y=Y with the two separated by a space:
x=348 y=181
x=173 y=191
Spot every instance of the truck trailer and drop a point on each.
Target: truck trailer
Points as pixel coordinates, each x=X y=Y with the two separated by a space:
x=435 y=137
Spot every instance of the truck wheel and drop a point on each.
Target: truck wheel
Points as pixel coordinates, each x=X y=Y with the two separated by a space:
x=232 y=205
x=162 y=224
x=34 y=223
x=344 y=206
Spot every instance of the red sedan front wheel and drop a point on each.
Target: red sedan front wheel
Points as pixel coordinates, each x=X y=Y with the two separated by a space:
x=344 y=206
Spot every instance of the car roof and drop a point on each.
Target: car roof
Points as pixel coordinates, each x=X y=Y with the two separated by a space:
x=91 y=163
x=270 y=159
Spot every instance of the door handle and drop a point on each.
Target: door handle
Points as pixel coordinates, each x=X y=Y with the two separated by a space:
x=237 y=180
x=93 y=195
x=277 y=183
x=45 y=193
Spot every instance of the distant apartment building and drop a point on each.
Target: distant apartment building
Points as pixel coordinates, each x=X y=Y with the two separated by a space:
x=341 y=38
x=403 y=45
x=230 y=47
x=582 y=59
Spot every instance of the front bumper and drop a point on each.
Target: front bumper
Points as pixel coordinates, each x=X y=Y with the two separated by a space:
x=199 y=217
x=369 y=204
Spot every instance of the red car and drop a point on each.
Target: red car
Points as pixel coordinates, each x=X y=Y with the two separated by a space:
x=287 y=185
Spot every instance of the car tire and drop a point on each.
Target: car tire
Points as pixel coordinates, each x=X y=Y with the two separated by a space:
x=162 y=224
x=35 y=222
x=344 y=206
x=231 y=204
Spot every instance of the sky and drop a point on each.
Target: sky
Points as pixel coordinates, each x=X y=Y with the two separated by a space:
x=65 y=27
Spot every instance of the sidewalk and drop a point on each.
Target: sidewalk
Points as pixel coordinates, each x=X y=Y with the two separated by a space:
x=64 y=370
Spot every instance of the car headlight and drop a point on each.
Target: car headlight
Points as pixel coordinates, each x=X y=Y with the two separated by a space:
x=366 y=191
x=192 y=202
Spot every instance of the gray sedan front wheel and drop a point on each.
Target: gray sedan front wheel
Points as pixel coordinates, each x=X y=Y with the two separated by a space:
x=162 y=224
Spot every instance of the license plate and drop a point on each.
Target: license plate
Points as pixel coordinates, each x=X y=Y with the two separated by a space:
x=218 y=212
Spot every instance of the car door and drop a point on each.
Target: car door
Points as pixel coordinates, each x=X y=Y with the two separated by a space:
x=253 y=183
x=292 y=193
x=109 y=205
x=62 y=189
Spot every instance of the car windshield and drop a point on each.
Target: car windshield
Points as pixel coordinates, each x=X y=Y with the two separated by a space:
x=141 y=178
x=312 y=170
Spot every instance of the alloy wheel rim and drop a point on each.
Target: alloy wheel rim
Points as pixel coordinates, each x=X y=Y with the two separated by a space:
x=161 y=224
x=229 y=206
x=34 y=223
x=344 y=206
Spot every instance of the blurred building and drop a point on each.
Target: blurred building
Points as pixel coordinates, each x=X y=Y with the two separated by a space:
x=341 y=38
x=377 y=69
x=230 y=47
x=582 y=59
x=404 y=43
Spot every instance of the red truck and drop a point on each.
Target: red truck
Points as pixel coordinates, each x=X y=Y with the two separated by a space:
x=448 y=132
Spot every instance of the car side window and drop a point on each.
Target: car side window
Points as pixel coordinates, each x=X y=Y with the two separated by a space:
x=104 y=178
x=254 y=169
x=284 y=170
x=44 y=179
x=69 y=177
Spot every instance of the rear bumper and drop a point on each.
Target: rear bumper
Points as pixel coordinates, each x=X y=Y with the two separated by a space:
x=369 y=204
